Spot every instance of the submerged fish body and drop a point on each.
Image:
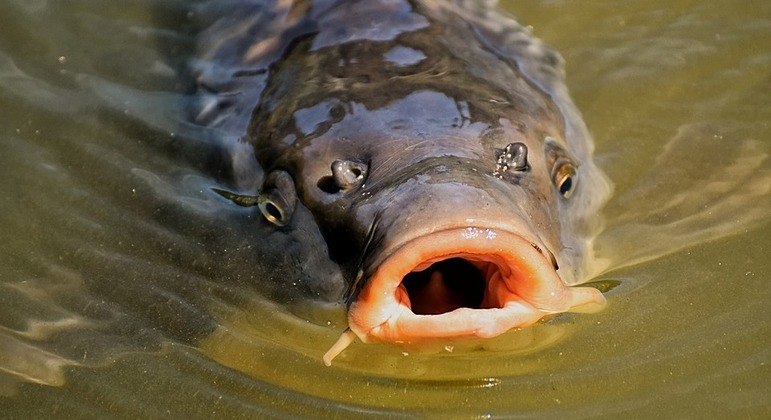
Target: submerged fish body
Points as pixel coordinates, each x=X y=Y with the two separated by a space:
x=434 y=145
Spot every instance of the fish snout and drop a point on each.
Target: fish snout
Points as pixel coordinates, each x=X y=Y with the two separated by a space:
x=456 y=260
x=461 y=282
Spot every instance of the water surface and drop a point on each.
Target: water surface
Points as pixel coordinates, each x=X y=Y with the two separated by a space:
x=127 y=289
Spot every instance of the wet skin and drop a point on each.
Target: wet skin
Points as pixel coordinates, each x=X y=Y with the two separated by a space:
x=437 y=150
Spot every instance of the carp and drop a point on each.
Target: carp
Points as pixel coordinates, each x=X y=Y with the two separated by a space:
x=434 y=144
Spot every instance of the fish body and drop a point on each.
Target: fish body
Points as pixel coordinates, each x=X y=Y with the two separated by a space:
x=433 y=143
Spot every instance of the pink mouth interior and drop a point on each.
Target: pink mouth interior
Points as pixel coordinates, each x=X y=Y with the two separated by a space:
x=448 y=285
x=459 y=283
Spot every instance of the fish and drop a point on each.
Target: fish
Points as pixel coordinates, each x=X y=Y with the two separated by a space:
x=432 y=144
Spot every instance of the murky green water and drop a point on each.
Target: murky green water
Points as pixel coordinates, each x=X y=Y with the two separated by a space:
x=115 y=260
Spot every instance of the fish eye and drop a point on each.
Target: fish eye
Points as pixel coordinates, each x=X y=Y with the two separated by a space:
x=278 y=199
x=272 y=210
x=564 y=178
x=272 y=204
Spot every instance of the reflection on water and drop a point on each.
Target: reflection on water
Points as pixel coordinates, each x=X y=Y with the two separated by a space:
x=126 y=288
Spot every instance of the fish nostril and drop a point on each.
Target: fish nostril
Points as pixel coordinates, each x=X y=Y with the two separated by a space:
x=512 y=158
x=346 y=174
x=518 y=155
x=328 y=185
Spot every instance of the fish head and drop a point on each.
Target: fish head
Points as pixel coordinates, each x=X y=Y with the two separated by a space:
x=435 y=215
x=456 y=204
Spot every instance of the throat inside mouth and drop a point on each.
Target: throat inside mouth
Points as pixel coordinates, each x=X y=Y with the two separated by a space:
x=448 y=285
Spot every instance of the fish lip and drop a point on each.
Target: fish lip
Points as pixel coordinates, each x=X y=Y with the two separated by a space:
x=526 y=289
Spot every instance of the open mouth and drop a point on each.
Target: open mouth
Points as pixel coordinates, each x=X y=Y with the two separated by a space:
x=448 y=285
x=461 y=282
